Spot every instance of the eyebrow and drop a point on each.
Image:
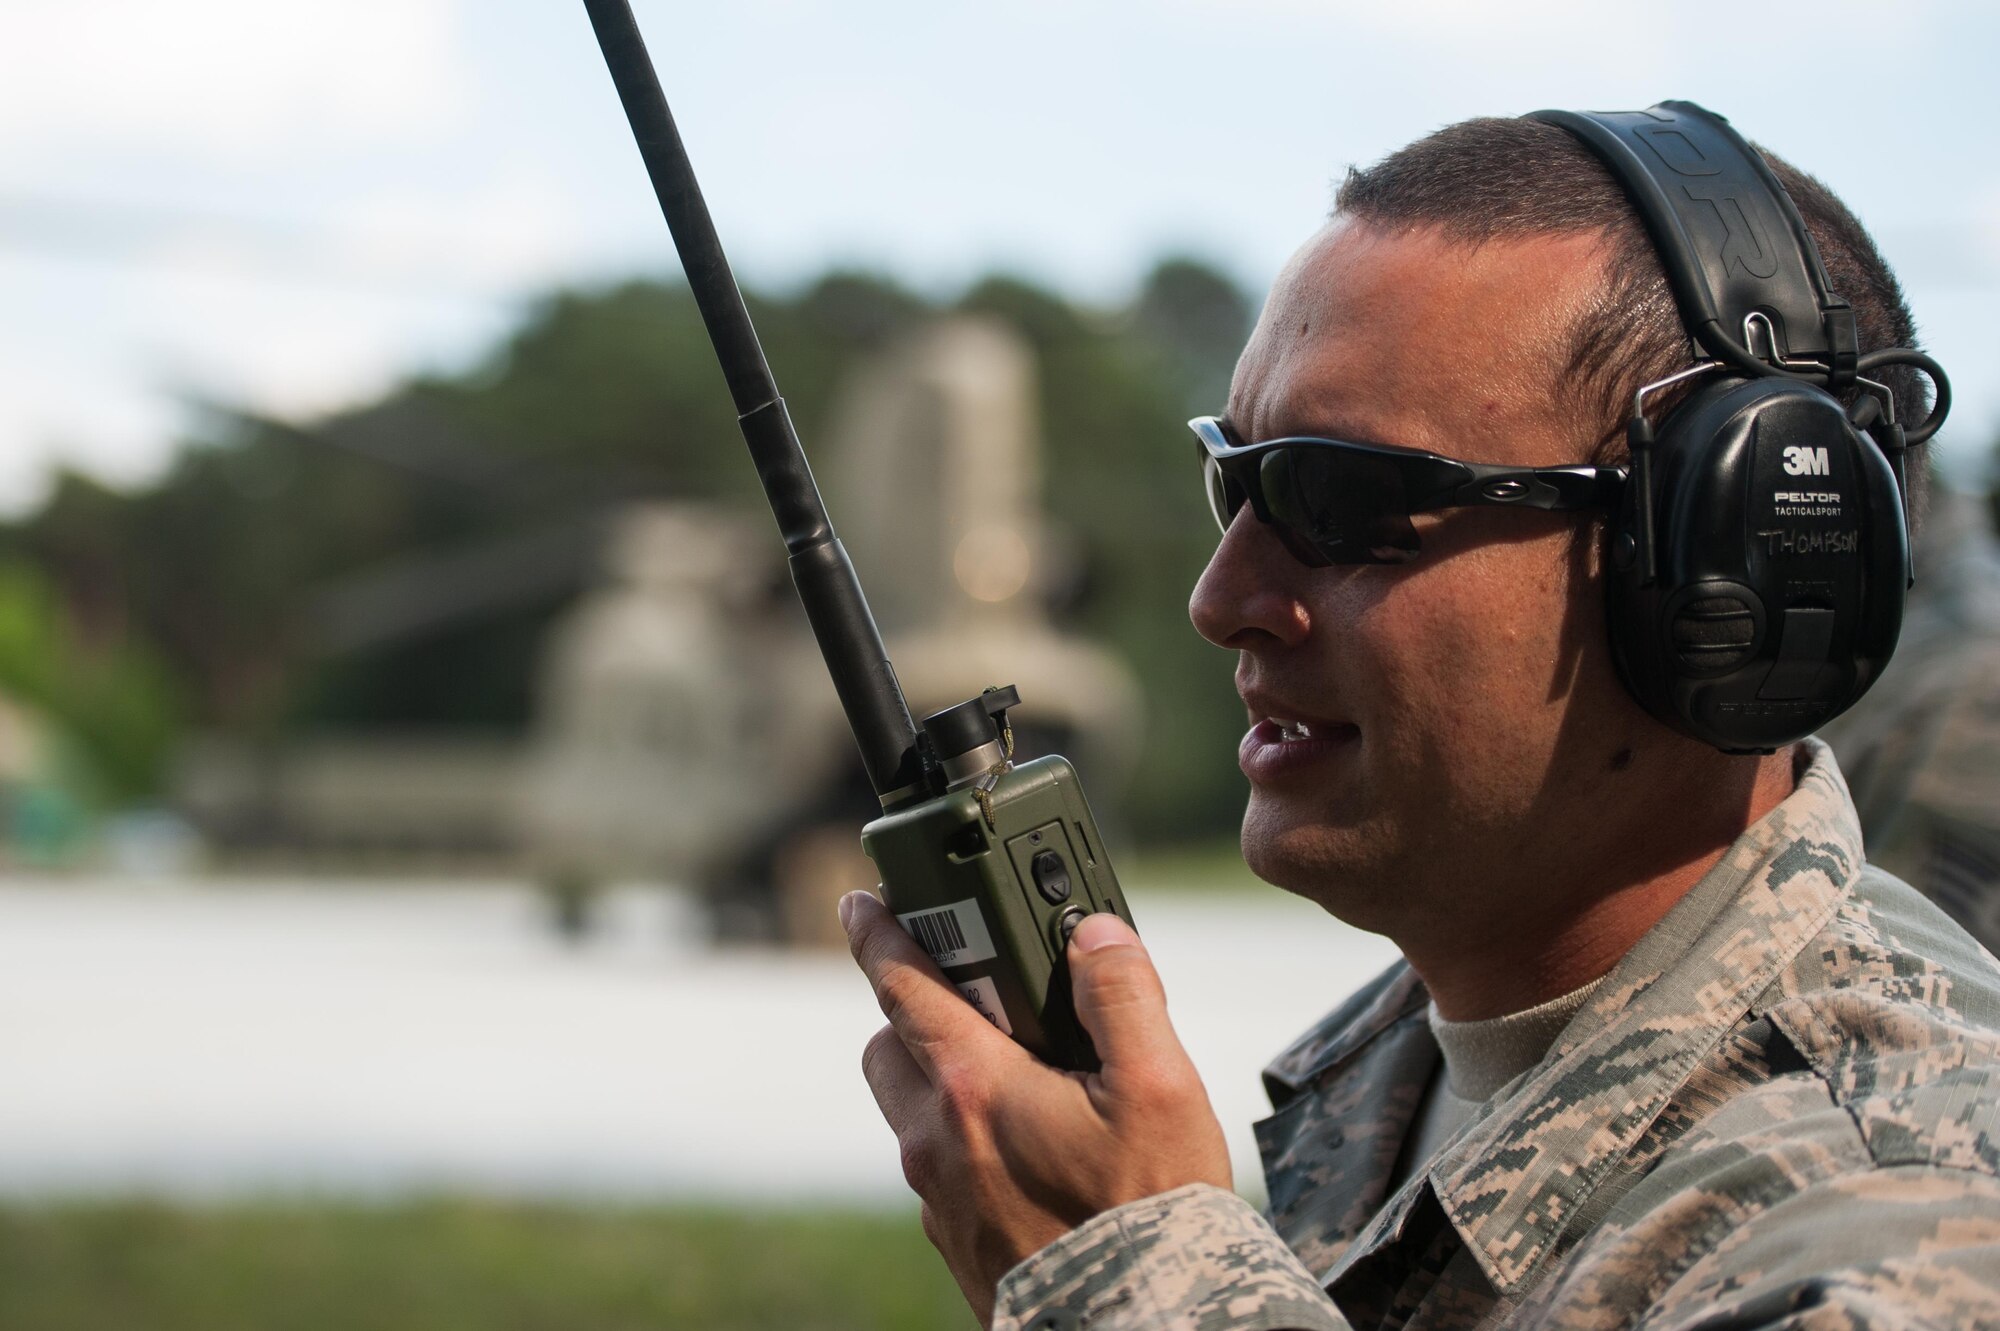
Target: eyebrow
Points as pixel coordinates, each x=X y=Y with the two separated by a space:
x=1315 y=432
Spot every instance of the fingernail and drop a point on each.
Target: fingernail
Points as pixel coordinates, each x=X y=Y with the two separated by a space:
x=1102 y=930
x=846 y=908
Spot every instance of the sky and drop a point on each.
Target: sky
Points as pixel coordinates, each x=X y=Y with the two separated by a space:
x=287 y=207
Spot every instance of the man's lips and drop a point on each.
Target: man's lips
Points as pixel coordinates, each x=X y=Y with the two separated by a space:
x=1272 y=749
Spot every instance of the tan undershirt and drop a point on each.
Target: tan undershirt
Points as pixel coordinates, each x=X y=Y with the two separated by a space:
x=1479 y=1057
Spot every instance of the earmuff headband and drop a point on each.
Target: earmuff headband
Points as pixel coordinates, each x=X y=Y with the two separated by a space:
x=1719 y=220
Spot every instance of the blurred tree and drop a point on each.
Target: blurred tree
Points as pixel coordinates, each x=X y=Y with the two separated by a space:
x=112 y=702
x=226 y=569
x=1198 y=320
x=1993 y=481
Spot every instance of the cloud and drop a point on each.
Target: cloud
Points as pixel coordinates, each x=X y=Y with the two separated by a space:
x=95 y=357
x=514 y=231
x=287 y=349
x=225 y=79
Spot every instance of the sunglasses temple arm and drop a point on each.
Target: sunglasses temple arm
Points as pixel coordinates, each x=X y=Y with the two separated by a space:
x=1538 y=487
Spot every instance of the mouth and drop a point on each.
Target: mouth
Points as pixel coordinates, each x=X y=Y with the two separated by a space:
x=1279 y=746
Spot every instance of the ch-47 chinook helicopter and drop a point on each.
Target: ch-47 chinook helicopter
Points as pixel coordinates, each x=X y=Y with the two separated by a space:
x=682 y=728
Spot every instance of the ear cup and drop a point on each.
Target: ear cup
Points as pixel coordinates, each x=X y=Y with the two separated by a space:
x=1782 y=562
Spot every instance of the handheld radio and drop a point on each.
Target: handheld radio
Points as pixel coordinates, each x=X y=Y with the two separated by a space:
x=989 y=864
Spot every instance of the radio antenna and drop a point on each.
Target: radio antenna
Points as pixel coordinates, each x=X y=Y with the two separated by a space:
x=848 y=639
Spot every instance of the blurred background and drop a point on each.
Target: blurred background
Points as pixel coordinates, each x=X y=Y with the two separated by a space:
x=422 y=805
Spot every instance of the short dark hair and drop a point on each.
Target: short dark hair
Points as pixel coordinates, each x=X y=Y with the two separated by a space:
x=1496 y=178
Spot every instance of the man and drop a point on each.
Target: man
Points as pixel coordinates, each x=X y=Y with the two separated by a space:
x=1663 y=1053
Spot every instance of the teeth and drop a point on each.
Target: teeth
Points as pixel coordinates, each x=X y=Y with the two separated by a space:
x=1291 y=730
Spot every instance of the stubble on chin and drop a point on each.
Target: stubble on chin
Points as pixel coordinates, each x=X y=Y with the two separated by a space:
x=1346 y=869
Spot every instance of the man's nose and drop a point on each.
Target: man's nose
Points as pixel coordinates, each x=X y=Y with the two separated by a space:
x=1248 y=596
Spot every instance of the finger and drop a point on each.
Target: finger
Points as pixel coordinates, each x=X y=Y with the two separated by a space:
x=932 y=1018
x=1120 y=1001
x=900 y=1088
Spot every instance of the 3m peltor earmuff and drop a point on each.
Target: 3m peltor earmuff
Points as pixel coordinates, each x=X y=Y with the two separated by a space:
x=1761 y=552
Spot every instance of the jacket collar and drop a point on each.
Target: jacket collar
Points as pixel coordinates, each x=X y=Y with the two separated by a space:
x=1334 y=1039
x=1344 y=1096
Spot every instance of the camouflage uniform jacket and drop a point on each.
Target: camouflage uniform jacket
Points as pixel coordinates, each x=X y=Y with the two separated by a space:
x=1778 y=1111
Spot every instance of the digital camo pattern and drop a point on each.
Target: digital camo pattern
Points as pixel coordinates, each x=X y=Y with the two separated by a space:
x=1782 y=1109
x=1921 y=750
x=1155 y=1263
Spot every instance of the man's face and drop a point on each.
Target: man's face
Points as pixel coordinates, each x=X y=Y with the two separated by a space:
x=1467 y=727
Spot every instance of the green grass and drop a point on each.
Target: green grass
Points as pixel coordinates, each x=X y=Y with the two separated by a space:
x=466 y=1266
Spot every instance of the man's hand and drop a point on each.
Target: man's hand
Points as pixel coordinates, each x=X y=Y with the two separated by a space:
x=1007 y=1153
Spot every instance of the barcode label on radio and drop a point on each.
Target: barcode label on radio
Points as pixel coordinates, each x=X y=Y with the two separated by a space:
x=938 y=932
x=954 y=935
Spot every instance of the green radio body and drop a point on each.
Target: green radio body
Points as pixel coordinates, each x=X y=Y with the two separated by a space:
x=991 y=891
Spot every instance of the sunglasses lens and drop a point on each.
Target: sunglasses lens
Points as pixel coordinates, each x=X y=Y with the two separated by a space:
x=1345 y=507
x=1224 y=495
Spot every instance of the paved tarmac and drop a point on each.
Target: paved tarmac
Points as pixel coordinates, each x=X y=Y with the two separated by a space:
x=196 y=1039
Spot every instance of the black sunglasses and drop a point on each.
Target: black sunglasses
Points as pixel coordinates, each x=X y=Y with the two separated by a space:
x=1335 y=502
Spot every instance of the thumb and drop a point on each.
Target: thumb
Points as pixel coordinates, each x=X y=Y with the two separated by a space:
x=1119 y=999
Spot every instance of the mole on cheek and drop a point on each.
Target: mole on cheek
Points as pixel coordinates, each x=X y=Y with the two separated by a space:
x=1621 y=760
